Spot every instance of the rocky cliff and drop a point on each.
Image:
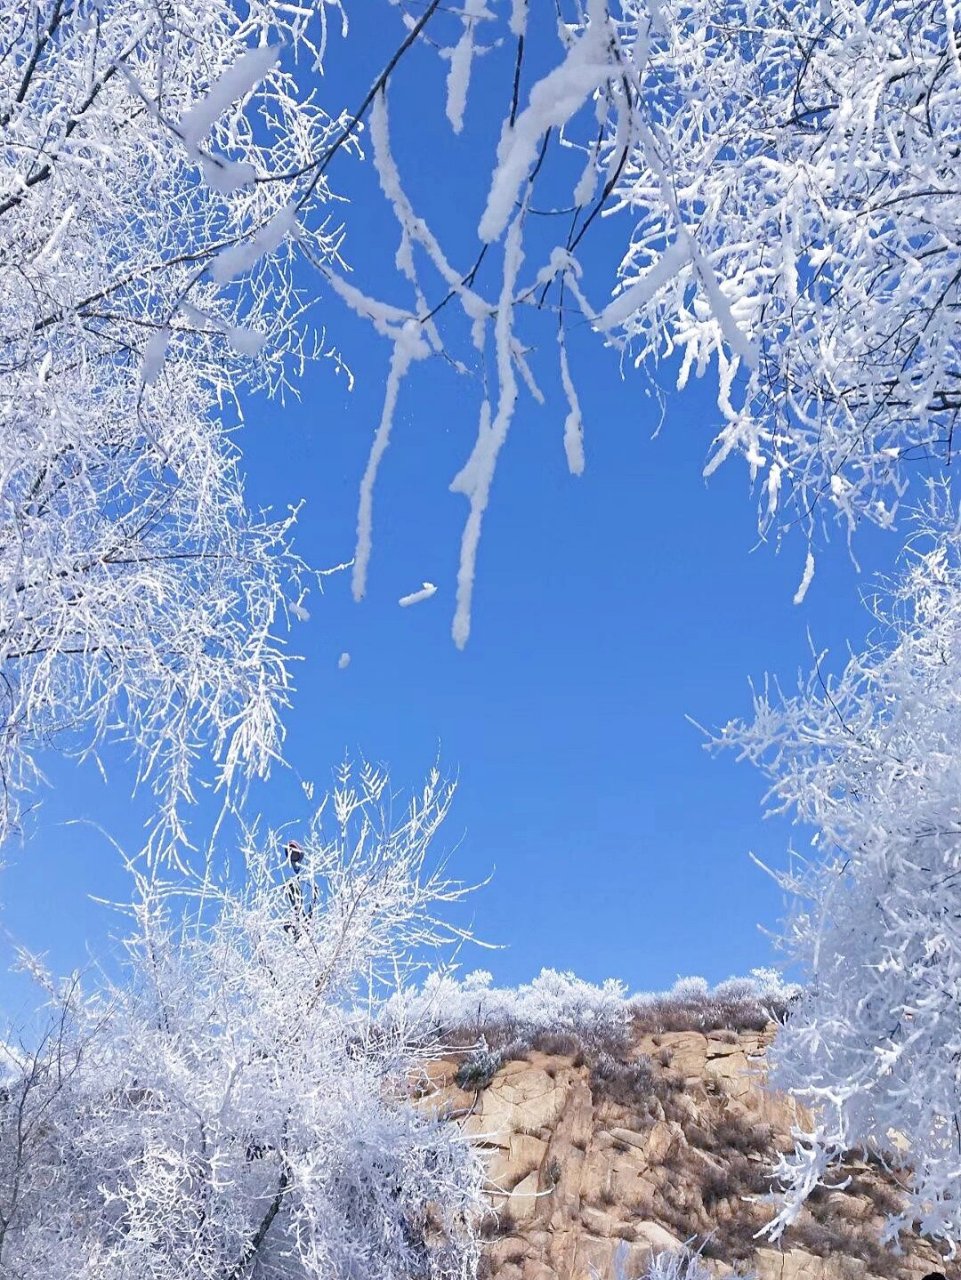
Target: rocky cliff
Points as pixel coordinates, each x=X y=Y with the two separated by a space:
x=597 y=1160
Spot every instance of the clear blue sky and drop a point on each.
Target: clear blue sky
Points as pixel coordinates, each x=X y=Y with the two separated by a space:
x=607 y=610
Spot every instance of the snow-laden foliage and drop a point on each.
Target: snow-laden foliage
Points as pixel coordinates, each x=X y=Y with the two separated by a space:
x=224 y=1111
x=871 y=758
x=552 y=1001
x=479 y=1068
x=472 y=304
x=157 y=167
x=783 y=179
x=561 y=1002
x=778 y=183
x=739 y=1004
x=792 y=175
x=764 y=985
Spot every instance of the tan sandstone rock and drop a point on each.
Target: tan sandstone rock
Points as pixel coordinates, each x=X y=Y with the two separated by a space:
x=582 y=1179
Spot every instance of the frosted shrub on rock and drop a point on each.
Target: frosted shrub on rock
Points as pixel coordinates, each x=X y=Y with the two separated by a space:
x=478 y=1068
x=224 y=1111
x=871 y=759
x=556 y=1002
x=764 y=985
x=677 y=1264
x=687 y=989
x=147 y=237
x=567 y=1003
x=553 y=1001
x=740 y=1004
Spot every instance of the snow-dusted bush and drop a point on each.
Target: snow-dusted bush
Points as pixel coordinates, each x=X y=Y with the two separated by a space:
x=691 y=988
x=223 y=1111
x=764 y=986
x=553 y=1001
x=478 y=1068
x=736 y=1003
x=677 y=1264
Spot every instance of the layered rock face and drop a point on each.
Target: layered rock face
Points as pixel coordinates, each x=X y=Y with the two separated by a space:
x=595 y=1162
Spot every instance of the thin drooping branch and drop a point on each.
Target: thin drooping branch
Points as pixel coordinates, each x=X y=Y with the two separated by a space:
x=378 y=86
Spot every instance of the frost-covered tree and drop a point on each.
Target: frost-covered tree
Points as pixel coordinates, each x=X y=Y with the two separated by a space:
x=784 y=184
x=553 y=1001
x=871 y=759
x=228 y=1108
x=157 y=163
x=782 y=180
